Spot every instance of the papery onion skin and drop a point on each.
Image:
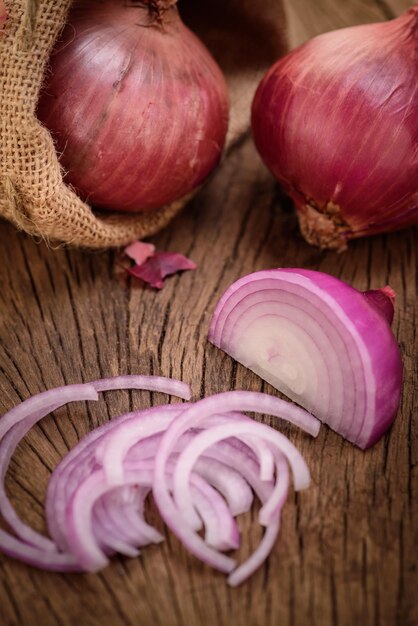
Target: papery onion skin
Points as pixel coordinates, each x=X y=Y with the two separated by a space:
x=362 y=324
x=137 y=106
x=336 y=122
x=383 y=301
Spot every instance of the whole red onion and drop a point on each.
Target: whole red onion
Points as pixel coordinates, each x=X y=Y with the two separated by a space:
x=336 y=121
x=136 y=104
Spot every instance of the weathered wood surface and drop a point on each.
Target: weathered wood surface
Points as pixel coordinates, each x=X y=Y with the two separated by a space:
x=347 y=553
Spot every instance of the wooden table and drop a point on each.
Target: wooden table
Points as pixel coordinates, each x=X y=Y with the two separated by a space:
x=347 y=553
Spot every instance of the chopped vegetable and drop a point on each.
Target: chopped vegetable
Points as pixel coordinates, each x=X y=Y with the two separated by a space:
x=321 y=342
x=201 y=461
x=18 y=421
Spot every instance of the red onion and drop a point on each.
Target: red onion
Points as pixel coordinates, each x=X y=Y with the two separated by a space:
x=168 y=504
x=205 y=458
x=160 y=384
x=190 y=455
x=136 y=104
x=113 y=527
x=336 y=122
x=18 y=421
x=76 y=466
x=319 y=341
x=234 y=482
x=82 y=539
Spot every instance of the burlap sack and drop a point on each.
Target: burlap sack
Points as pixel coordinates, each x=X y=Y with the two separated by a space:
x=244 y=36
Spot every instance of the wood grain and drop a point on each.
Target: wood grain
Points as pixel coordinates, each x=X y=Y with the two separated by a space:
x=347 y=550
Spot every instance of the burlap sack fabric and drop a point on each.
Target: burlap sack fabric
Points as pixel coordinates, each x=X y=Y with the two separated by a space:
x=244 y=37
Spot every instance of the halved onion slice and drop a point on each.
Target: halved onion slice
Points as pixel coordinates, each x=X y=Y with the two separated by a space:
x=321 y=342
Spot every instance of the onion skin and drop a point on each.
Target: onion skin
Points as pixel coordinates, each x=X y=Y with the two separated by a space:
x=136 y=104
x=336 y=123
x=383 y=301
x=360 y=374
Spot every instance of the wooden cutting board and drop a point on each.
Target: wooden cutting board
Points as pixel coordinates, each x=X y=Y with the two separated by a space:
x=347 y=553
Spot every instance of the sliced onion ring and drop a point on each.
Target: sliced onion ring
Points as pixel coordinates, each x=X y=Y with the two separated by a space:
x=18 y=421
x=211 y=456
x=81 y=537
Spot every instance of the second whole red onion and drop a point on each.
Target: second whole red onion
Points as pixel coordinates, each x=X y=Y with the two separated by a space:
x=336 y=121
x=136 y=104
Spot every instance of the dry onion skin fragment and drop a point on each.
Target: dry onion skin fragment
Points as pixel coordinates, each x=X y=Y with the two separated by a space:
x=157 y=267
x=324 y=344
